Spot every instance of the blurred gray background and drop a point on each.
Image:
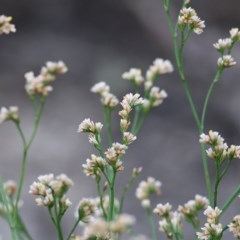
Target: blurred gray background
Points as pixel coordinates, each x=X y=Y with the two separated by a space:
x=99 y=40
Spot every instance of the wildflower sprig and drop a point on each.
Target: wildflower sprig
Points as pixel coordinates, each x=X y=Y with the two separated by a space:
x=189 y=22
x=110 y=161
x=35 y=86
x=222 y=156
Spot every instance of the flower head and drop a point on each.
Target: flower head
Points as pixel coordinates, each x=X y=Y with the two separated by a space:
x=89 y=126
x=148 y=187
x=9 y=114
x=234 y=226
x=188 y=16
x=159 y=67
x=40 y=84
x=5 y=25
x=226 y=61
x=134 y=75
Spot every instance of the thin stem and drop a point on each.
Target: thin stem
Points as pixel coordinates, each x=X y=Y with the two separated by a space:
x=107 y=118
x=136 y=119
x=208 y=95
x=73 y=229
x=231 y=199
x=100 y=194
x=125 y=190
x=112 y=196
x=26 y=148
x=206 y=173
x=152 y=223
x=217 y=181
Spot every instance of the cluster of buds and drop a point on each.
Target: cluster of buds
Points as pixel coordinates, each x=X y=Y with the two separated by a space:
x=5 y=25
x=171 y=222
x=128 y=103
x=102 y=230
x=40 y=84
x=114 y=154
x=85 y=209
x=212 y=228
x=94 y=166
x=147 y=188
x=9 y=114
x=192 y=207
x=10 y=188
x=224 y=46
x=107 y=98
x=188 y=18
x=50 y=188
x=103 y=205
x=93 y=129
x=154 y=96
x=234 y=227
x=219 y=150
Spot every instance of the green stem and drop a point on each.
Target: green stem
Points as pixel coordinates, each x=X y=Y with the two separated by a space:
x=125 y=190
x=217 y=181
x=208 y=95
x=26 y=148
x=206 y=172
x=73 y=229
x=136 y=119
x=107 y=118
x=112 y=196
x=231 y=199
x=152 y=223
x=100 y=194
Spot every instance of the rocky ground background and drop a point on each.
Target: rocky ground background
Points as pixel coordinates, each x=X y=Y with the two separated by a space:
x=99 y=40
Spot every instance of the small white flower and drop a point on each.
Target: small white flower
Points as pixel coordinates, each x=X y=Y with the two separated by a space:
x=159 y=67
x=223 y=44
x=134 y=75
x=226 y=61
x=9 y=114
x=5 y=25
x=100 y=88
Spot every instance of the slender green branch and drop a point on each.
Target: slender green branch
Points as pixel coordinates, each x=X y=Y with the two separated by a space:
x=208 y=95
x=26 y=148
x=112 y=197
x=73 y=229
x=100 y=194
x=125 y=190
x=107 y=118
x=231 y=199
x=152 y=223
x=217 y=181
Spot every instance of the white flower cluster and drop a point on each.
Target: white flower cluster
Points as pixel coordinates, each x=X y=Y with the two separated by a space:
x=159 y=67
x=234 y=227
x=212 y=228
x=171 y=224
x=10 y=188
x=147 y=188
x=85 y=209
x=219 y=150
x=41 y=84
x=107 y=98
x=9 y=114
x=100 y=229
x=94 y=166
x=5 y=25
x=188 y=17
x=49 y=187
x=224 y=46
x=134 y=75
x=89 y=126
x=191 y=208
x=154 y=96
